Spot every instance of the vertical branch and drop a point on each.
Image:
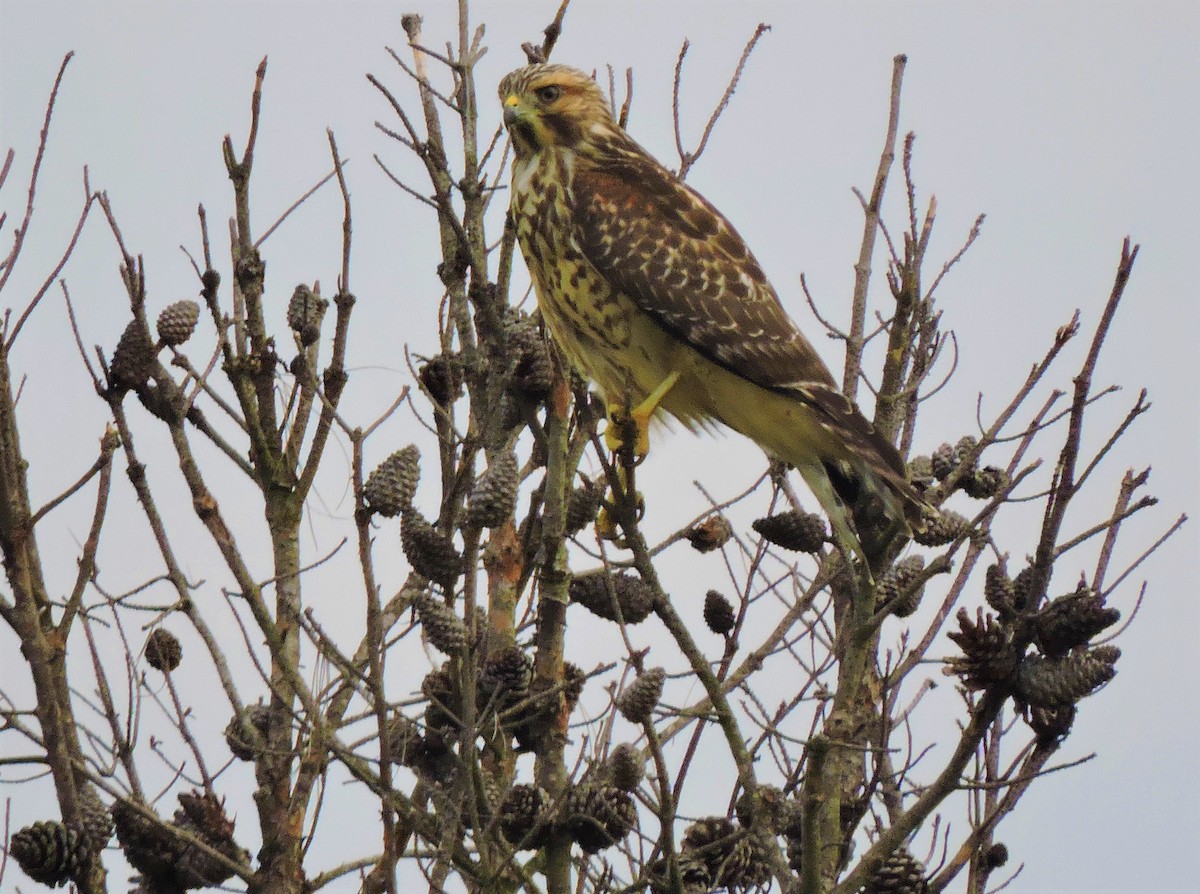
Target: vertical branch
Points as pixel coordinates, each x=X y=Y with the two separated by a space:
x=553 y=580
x=871 y=209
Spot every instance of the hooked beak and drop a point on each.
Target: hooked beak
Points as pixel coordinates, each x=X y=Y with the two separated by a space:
x=512 y=109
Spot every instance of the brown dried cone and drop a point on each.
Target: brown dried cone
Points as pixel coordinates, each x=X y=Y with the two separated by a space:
x=202 y=814
x=50 y=853
x=441 y=688
x=494 y=496
x=132 y=358
x=597 y=816
x=435 y=760
x=1072 y=620
x=238 y=736
x=582 y=506
x=163 y=650
x=989 y=655
x=800 y=531
x=533 y=369
x=963 y=449
x=771 y=802
x=149 y=848
x=985 y=483
x=718 y=612
x=641 y=696
x=524 y=818
x=940 y=530
x=995 y=856
x=443 y=378
x=901 y=873
x=894 y=588
x=1025 y=595
x=595 y=592
x=431 y=553
x=177 y=322
x=403 y=740
x=504 y=685
x=999 y=591
x=793 y=836
x=389 y=489
x=1051 y=725
x=1054 y=682
x=96 y=823
x=535 y=724
x=941 y=462
x=712 y=533
x=920 y=472
x=693 y=872
x=506 y=675
x=441 y=626
x=487 y=800
x=733 y=859
x=304 y=313
x=625 y=767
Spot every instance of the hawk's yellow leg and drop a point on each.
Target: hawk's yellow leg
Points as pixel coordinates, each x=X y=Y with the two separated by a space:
x=621 y=420
x=625 y=425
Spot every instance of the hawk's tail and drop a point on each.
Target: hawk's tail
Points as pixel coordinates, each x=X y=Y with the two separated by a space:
x=873 y=511
x=883 y=509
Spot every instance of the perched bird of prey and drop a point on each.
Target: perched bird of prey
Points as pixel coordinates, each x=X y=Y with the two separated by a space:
x=652 y=294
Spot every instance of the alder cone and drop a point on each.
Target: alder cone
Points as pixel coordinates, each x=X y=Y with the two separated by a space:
x=893 y=587
x=598 y=816
x=442 y=627
x=533 y=368
x=390 y=488
x=940 y=530
x=240 y=744
x=640 y=699
x=634 y=597
x=177 y=322
x=718 y=612
x=431 y=553
x=132 y=358
x=523 y=816
x=50 y=852
x=163 y=650
x=1072 y=620
x=989 y=655
x=494 y=497
x=97 y=822
x=624 y=768
x=1058 y=682
x=442 y=377
x=305 y=311
x=803 y=532
x=582 y=506
x=710 y=534
x=901 y=873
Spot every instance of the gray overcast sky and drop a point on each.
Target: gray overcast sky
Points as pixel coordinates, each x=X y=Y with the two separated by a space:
x=1069 y=124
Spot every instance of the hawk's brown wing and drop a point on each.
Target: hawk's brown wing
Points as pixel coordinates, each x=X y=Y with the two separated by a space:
x=681 y=261
x=670 y=251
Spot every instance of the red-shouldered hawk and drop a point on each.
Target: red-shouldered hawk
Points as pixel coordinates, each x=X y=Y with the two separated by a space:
x=652 y=294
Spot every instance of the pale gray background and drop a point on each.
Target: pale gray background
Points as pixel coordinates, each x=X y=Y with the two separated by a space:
x=1069 y=124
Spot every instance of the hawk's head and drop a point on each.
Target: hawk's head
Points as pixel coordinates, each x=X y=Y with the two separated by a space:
x=553 y=105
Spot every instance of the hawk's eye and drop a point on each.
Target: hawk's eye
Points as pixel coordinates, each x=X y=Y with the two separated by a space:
x=549 y=93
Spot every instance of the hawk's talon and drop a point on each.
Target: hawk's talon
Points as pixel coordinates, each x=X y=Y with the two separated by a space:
x=606 y=527
x=606 y=524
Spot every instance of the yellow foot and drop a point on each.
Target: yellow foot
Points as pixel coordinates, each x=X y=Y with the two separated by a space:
x=634 y=425
x=607 y=527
